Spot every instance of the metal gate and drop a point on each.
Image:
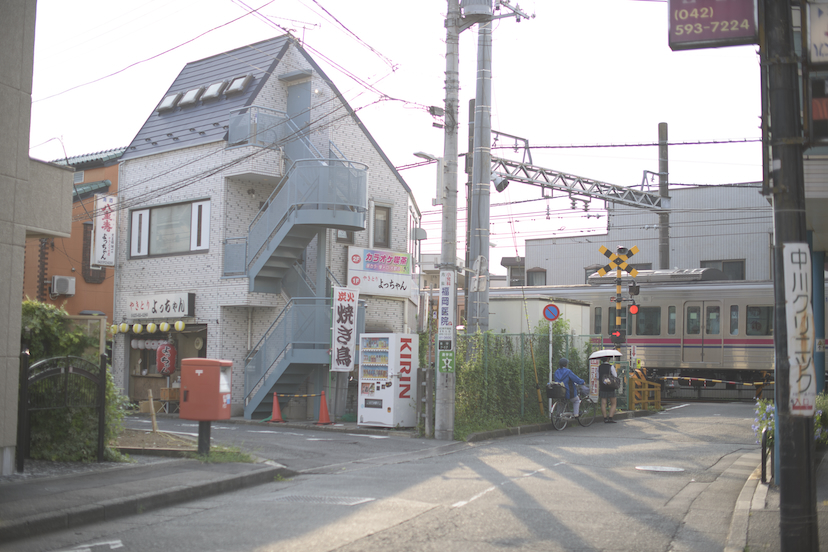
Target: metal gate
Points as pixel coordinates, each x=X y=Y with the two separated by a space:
x=58 y=383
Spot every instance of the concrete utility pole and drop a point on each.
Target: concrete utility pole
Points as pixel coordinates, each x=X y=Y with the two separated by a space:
x=795 y=434
x=474 y=11
x=663 y=191
x=477 y=308
x=444 y=403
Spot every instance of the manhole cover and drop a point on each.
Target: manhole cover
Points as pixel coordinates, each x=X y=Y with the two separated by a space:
x=659 y=468
x=333 y=500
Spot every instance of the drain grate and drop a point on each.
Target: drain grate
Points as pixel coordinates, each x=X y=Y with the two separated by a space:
x=332 y=500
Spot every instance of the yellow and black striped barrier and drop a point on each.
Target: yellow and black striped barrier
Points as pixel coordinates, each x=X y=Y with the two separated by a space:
x=752 y=384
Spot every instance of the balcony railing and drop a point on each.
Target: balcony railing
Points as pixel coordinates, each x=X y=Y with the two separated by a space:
x=257 y=126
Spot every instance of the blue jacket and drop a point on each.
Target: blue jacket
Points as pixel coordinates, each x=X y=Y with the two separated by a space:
x=569 y=379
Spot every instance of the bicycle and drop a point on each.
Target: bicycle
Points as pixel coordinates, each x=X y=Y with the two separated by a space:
x=561 y=412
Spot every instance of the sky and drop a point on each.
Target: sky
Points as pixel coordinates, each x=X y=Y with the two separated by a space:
x=597 y=73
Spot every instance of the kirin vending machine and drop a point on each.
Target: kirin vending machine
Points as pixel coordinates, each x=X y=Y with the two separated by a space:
x=388 y=380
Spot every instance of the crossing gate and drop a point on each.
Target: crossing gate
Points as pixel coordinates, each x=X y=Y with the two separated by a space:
x=59 y=383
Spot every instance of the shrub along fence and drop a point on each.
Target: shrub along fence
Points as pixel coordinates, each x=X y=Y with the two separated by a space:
x=501 y=378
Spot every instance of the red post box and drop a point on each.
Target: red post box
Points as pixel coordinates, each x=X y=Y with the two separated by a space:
x=205 y=389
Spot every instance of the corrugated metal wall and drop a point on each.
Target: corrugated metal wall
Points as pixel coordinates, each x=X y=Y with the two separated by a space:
x=706 y=224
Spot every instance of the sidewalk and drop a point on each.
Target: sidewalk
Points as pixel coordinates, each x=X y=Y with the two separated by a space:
x=757 y=510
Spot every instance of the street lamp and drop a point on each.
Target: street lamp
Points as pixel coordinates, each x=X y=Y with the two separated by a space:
x=441 y=191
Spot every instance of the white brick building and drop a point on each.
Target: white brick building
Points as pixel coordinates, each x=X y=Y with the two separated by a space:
x=260 y=127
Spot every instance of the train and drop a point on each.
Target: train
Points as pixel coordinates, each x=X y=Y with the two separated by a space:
x=694 y=328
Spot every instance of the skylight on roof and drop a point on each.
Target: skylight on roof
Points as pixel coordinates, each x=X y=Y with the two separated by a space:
x=214 y=90
x=191 y=96
x=239 y=84
x=169 y=101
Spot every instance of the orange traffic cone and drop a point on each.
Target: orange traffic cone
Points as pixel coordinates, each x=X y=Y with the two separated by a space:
x=324 y=419
x=276 y=417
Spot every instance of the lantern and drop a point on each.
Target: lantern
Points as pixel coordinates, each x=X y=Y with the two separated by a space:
x=113 y=329
x=137 y=328
x=165 y=326
x=165 y=358
x=124 y=327
x=151 y=327
x=179 y=326
x=134 y=343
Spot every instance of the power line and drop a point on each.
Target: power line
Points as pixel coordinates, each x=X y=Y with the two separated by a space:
x=149 y=58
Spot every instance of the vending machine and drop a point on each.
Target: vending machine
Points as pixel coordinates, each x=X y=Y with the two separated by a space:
x=388 y=380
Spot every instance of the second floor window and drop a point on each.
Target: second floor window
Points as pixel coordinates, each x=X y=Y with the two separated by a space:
x=170 y=229
x=382 y=226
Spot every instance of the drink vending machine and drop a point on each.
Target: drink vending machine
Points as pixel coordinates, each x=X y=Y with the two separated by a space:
x=388 y=366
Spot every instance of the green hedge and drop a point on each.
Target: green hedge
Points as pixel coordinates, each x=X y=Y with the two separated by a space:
x=501 y=378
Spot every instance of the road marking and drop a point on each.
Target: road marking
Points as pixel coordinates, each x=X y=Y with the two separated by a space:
x=490 y=489
x=113 y=545
x=318 y=439
x=369 y=436
x=675 y=407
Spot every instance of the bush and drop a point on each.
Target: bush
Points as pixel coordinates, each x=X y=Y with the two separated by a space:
x=68 y=435
x=765 y=418
x=501 y=378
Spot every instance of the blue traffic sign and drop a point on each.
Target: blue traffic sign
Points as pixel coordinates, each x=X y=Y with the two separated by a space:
x=551 y=312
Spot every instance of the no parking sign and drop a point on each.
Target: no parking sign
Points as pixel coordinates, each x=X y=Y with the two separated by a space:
x=551 y=312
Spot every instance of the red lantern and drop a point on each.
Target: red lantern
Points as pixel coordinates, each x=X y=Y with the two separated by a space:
x=165 y=358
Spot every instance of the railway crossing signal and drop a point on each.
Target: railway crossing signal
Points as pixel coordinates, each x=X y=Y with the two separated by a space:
x=619 y=262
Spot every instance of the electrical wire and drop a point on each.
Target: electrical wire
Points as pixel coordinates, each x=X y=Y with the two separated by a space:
x=149 y=58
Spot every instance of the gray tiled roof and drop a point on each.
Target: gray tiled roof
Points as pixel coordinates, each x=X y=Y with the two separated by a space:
x=95 y=159
x=207 y=121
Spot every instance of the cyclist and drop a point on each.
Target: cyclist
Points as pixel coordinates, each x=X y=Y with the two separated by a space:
x=570 y=381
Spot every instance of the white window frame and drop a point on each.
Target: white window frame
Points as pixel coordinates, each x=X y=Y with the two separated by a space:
x=139 y=230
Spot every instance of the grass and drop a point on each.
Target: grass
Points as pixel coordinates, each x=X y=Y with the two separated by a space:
x=222 y=455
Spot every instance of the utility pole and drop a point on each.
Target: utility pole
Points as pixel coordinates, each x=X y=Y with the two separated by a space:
x=663 y=191
x=475 y=11
x=477 y=307
x=444 y=403
x=797 y=492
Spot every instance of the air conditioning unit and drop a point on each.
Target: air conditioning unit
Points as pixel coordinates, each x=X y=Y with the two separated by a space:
x=63 y=285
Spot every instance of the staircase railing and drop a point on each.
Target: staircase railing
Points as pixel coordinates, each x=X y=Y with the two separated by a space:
x=309 y=185
x=304 y=323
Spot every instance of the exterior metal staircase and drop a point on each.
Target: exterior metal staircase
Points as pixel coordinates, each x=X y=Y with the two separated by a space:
x=315 y=194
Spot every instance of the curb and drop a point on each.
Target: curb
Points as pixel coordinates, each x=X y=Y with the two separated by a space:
x=142 y=503
x=737 y=536
x=535 y=428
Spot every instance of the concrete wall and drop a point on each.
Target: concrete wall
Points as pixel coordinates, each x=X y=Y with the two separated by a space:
x=37 y=201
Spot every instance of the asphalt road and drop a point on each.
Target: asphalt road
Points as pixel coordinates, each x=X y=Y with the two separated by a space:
x=644 y=484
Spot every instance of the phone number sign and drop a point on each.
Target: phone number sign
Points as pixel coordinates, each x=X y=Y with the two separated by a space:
x=698 y=24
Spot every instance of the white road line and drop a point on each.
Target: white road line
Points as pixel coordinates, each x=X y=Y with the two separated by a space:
x=490 y=489
x=675 y=407
x=368 y=436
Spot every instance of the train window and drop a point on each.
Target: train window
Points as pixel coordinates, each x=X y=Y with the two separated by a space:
x=759 y=321
x=712 y=325
x=648 y=321
x=671 y=320
x=693 y=324
x=596 y=328
x=734 y=319
x=625 y=323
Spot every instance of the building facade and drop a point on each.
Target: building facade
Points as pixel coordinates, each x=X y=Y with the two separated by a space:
x=724 y=227
x=61 y=271
x=245 y=197
x=37 y=204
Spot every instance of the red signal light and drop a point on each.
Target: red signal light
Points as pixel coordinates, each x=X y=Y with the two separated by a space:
x=633 y=309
